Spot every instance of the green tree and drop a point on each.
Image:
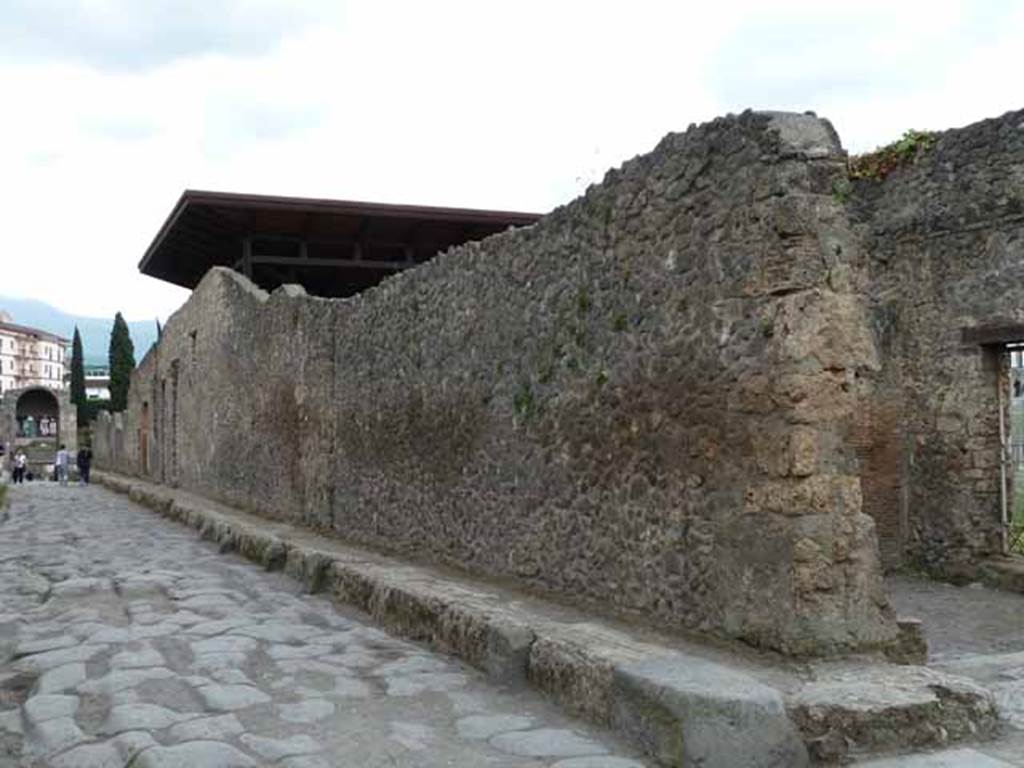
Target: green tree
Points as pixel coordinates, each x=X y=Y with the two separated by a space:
x=78 y=377
x=122 y=362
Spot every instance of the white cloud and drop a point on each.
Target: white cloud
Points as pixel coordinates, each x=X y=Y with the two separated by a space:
x=448 y=103
x=127 y=35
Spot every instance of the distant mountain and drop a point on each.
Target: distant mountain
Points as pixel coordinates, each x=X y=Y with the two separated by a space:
x=95 y=331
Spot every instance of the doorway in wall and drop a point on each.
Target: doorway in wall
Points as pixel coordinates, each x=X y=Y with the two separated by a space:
x=1013 y=447
x=144 y=439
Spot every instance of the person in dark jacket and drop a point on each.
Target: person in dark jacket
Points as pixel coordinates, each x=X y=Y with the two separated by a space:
x=84 y=461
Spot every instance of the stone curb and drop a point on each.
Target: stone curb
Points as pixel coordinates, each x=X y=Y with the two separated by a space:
x=680 y=710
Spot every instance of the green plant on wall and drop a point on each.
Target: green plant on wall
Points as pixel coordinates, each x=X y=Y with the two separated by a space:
x=841 y=189
x=904 y=151
x=523 y=402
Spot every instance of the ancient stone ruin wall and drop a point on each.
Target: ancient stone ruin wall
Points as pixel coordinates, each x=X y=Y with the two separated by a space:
x=642 y=402
x=946 y=244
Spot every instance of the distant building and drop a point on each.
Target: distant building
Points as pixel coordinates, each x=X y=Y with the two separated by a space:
x=97 y=384
x=30 y=357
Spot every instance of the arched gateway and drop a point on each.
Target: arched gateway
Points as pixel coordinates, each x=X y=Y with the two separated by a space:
x=37 y=420
x=37 y=415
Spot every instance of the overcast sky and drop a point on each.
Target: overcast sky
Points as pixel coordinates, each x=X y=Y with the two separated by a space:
x=112 y=107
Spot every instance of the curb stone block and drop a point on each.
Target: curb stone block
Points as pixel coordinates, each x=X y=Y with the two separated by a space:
x=576 y=679
x=856 y=710
x=690 y=712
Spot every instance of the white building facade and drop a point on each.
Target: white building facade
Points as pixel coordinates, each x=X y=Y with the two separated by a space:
x=97 y=385
x=30 y=357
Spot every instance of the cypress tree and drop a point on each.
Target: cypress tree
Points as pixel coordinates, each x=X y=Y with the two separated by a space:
x=122 y=362
x=78 y=377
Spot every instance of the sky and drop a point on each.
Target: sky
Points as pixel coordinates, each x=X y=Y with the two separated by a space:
x=112 y=107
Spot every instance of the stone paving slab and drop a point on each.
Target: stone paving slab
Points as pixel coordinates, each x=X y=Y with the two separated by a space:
x=698 y=709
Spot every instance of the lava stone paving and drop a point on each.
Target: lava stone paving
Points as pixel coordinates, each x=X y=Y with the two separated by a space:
x=125 y=640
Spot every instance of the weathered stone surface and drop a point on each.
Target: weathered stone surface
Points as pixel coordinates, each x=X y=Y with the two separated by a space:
x=545 y=742
x=308 y=711
x=215 y=728
x=305 y=761
x=119 y=680
x=50 y=736
x=62 y=678
x=275 y=749
x=145 y=657
x=141 y=717
x=869 y=708
x=195 y=754
x=49 y=706
x=227 y=698
x=41 y=662
x=90 y=756
x=485 y=726
x=687 y=711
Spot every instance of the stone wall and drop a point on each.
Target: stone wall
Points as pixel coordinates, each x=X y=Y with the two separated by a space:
x=946 y=242
x=646 y=402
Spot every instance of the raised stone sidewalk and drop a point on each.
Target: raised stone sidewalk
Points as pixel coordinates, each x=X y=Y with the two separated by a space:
x=682 y=703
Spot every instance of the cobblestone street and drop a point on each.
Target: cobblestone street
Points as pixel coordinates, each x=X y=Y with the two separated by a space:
x=126 y=640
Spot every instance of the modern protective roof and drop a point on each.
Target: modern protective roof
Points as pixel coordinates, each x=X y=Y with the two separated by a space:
x=331 y=247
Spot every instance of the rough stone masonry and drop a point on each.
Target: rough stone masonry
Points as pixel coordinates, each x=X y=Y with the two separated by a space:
x=692 y=395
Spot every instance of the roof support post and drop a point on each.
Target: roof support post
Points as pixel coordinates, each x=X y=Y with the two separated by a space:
x=247 y=256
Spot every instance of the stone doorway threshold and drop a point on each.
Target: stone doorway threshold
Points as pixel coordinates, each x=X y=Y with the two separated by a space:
x=682 y=702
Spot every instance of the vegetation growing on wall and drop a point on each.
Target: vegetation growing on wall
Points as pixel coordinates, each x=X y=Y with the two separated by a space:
x=884 y=160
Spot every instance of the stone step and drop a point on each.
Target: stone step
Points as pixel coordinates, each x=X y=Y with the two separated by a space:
x=856 y=708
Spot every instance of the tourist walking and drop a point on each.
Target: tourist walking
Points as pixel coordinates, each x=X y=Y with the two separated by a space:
x=20 y=462
x=84 y=462
x=62 y=465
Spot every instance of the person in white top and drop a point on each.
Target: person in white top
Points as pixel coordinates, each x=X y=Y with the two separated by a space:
x=62 y=465
x=20 y=462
